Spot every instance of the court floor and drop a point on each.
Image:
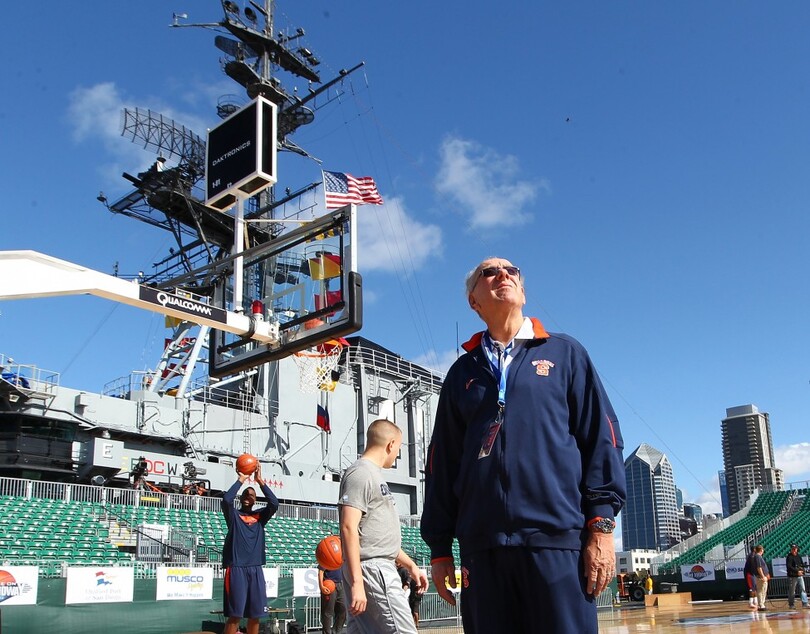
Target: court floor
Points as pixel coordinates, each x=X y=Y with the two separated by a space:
x=703 y=618
x=697 y=618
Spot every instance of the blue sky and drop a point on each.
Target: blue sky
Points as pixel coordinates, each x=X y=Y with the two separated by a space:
x=645 y=164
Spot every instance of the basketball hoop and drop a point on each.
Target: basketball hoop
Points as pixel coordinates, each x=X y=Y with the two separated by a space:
x=316 y=364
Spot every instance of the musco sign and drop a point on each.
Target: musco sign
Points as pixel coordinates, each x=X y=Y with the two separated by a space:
x=183 y=305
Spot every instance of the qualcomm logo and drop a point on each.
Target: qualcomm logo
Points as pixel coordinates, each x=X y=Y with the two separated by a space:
x=165 y=299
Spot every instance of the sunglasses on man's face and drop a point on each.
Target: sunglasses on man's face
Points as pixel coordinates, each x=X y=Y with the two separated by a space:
x=492 y=271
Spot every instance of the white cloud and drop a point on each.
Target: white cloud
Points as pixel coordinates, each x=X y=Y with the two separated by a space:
x=95 y=112
x=709 y=501
x=393 y=240
x=95 y=115
x=200 y=95
x=708 y=496
x=794 y=460
x=485 y=184
x=437 y=361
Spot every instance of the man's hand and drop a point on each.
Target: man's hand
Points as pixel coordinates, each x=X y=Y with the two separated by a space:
x=599 y=560
x=359 y=601
x=257 y=475
x=420 y=577
x=441 y=570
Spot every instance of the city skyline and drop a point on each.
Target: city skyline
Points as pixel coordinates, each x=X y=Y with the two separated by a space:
x=745 y=436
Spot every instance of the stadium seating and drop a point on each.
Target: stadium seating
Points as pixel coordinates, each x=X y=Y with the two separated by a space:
x=50 y=533
x=793 y=531
x=767 y=507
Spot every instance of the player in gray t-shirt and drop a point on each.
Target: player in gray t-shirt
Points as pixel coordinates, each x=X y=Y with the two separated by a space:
x=371 y=538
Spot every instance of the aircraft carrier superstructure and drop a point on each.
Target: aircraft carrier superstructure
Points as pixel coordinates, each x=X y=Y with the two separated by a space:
x=177 y=429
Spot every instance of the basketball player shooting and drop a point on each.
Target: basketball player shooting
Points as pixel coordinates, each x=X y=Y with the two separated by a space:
x=243 y=554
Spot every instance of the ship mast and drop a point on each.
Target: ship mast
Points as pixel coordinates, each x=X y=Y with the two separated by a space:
x=170 y=198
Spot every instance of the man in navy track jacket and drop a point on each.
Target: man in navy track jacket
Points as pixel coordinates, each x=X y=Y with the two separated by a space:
x=525 y=469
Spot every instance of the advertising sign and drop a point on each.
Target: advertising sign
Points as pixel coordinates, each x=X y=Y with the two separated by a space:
x=178 y=583
x=734 y=569
x=184 y=306
x=18 y=585
x=271 y=582
x=697 y=572
x=241 y=154
x=99 y=584
x=305 y=582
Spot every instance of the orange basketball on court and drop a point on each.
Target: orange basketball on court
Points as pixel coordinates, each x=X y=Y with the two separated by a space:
x=247 y=464
x=329 y=553
x=329 y=585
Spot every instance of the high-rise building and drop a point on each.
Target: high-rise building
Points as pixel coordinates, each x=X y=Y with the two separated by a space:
x=694 y=512
x=748 y=455
x=650 y=515
x=721 y=479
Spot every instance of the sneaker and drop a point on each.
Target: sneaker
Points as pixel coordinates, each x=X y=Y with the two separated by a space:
x=806 y=606
x=763 y=609
x=791 y=607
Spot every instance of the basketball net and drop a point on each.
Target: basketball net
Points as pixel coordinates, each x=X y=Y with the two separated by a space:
x=316 y=364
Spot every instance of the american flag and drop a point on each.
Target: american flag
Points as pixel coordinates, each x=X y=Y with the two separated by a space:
x=341 y=189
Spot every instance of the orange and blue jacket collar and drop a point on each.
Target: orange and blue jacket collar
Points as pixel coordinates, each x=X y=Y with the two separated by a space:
x=475 y=340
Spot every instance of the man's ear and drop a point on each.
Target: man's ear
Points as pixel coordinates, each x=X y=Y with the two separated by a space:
x=472 y=302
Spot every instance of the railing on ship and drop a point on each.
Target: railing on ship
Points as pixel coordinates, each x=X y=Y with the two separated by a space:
x=30 y=380
x=200 y=391
x=393 y=364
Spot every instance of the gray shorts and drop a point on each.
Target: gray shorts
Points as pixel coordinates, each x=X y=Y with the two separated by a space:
x=387 y=609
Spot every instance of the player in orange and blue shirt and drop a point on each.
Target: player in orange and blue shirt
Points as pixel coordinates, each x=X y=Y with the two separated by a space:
x=243 y=554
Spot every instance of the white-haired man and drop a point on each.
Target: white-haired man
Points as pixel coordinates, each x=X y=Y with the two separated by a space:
x=525 y=469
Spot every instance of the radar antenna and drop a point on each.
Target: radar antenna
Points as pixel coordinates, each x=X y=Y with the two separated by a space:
x=166 y=137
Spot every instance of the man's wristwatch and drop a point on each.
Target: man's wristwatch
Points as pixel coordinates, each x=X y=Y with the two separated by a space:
x=602 y=525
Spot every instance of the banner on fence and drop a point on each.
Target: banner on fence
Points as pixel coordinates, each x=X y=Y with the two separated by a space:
x=175 y=583
x=18 y=585
x=734 y=569
x=271 y=582
x=99 y=584
x=779 y=567
x=697 y=572
x=305 y=582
